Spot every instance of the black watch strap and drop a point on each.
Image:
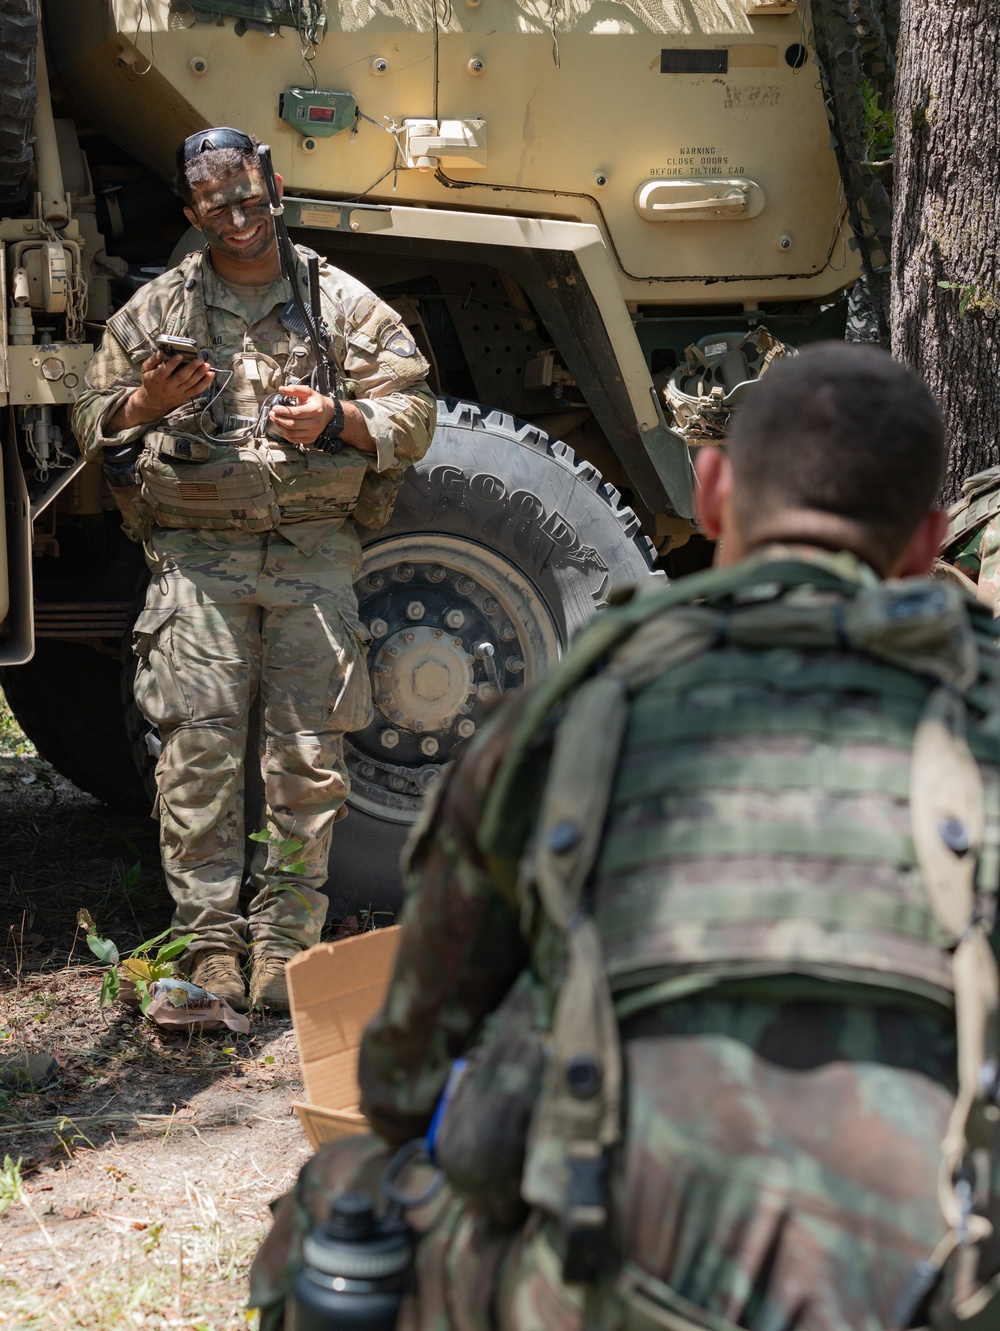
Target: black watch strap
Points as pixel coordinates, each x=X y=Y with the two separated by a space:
x=330 y=441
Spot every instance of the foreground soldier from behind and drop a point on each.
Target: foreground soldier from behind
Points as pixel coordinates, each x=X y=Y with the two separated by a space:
x=727 y=867
x=248 y=509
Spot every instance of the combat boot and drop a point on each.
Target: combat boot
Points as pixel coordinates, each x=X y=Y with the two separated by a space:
x=268 y=986
x=219 y=973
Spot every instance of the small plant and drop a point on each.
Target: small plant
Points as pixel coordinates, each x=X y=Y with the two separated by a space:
x=286 y=850
x=972 y=298
x=11 y=1183
x=142 y=965
x=880 y=128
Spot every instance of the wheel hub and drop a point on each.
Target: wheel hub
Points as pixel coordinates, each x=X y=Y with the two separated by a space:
x=421 y=677
x=454 y=624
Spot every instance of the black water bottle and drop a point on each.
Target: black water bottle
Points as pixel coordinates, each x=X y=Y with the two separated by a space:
x=356 y=1270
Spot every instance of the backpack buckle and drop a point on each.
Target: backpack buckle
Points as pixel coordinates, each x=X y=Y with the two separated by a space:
x=586 y=1247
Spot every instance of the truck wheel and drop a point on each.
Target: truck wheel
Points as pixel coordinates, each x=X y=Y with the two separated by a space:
x=501 y=546
x=67 y=699
x=18 y=43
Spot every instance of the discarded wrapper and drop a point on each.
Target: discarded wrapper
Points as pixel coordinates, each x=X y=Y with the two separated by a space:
x=177 y=1003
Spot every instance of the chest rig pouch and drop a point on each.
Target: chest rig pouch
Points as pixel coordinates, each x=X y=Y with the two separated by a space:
x=229 y=488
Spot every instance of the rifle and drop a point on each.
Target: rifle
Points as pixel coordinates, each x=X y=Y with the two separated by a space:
x=312 y=318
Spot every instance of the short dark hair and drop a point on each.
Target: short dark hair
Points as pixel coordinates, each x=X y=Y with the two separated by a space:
x=843 y=429
x=213 y=164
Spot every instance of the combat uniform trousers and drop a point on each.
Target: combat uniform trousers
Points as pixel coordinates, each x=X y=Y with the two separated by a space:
x=233 y=617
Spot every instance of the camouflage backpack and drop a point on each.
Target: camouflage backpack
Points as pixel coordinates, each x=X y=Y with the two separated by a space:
x=918 y=626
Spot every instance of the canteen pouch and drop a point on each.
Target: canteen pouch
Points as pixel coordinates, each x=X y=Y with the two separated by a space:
x=482 y=1138
x=231 y=489
x=310 y=484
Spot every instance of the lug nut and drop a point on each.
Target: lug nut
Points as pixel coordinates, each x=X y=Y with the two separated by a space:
x=454 y=619
x=399 y=716
x=439 y=633
x=435 y=575
x=491 y=605
x=508 y=632
x=382 y=671
x=466 y=586
x=418 y=725
x=484 y=650
x=392 y=651
x=466 y=727
x=366 y=770
x=415 y=610
x=405 y=572
x=375 y=581
x=384 y=699
x=515 y=665
x=408 y=637
x=397 y=783
x=389 y=738
x=378 y=628
x=429 y=745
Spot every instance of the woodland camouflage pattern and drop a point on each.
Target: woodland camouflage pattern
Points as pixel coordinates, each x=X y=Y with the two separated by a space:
x=784 y=1120
x=236 y=615
x=973 y=542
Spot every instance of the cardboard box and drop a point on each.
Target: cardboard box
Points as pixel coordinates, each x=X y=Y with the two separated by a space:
x=335 y=990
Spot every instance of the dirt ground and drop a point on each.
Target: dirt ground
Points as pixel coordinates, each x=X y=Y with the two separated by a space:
x=136 y=1181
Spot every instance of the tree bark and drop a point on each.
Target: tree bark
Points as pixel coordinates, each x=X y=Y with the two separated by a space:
x=947 y=219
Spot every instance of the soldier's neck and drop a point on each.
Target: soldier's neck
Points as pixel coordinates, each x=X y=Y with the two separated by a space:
x=247 y=272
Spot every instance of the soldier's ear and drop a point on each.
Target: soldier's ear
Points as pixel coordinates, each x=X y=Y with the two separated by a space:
x=192 y=217
x=713 y=497
x=923 y=547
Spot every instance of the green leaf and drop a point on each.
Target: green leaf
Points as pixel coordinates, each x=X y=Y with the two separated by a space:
x=109 y=987
x=263 y=835
x=290 y=846
x=145 y=997
x=269 y=1058
x=946 y=286
x=297 y=866
x=964 y=303
x=172 y=949
x=103 y=948
x=150 y=942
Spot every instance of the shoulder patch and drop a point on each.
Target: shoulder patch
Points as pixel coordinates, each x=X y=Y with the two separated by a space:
x=401 y=345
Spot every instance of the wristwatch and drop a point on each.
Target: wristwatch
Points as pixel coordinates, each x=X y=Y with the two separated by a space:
x=330 y=441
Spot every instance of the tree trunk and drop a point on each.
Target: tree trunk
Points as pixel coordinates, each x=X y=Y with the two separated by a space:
x=947 y=219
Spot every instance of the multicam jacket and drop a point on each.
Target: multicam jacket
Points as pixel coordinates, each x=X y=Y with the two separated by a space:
x=247 y=335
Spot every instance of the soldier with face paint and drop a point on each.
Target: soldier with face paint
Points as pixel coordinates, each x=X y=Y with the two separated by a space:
x=248 y=509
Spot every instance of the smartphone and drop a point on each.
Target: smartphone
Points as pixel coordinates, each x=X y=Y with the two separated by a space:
x=177 y=346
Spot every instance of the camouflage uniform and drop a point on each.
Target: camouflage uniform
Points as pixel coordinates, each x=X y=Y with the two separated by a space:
x=782 y=993
x=259 y=607
x=973 y=543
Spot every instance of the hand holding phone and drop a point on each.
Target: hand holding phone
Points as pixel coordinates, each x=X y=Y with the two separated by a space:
x=173 y=375
x=185 y=347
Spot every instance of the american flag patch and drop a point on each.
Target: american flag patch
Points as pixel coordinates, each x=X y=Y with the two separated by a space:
x=204 y=492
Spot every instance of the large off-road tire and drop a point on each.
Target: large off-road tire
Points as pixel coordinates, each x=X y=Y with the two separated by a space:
x=18 y=47
x=67 y=699
x=501 y=546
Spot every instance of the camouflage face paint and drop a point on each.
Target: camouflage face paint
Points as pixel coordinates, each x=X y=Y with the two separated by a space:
x=234 y=216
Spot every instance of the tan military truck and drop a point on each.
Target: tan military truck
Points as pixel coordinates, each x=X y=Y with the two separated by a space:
x=599 y=217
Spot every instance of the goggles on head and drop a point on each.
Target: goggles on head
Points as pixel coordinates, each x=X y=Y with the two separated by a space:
x=209 y=140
